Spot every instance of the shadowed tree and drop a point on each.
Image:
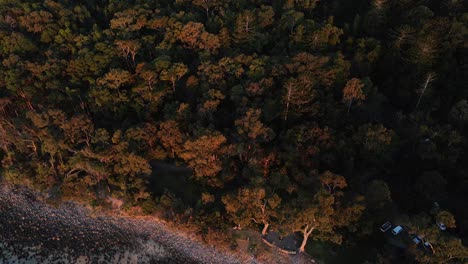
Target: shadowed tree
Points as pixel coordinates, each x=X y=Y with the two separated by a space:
x=459 y=112
x=203 y=155
x=210 y=5
x=194 y=36
x=171 y=137
x=374 y=139
x=128 y=49
x=325 y=212
x=252 y=205
x=173 y=74
x=430 y=77
x=300 y=4
x=299 y=96
x=130 y=20
x=378 y=194
x=446 y=218
x=443 y=247
x=352 y=92
x=325 y=37
x=251 y=126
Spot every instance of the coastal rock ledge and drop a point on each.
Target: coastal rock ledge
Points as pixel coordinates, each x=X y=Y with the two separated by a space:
x=32 y=231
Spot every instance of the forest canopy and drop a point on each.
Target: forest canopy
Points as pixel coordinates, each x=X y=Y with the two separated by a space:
x=321 y=117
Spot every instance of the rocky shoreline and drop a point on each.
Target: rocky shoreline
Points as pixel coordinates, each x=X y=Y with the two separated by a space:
x=32 y=231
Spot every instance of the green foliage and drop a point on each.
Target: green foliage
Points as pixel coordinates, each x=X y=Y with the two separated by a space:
x=251 y=205
x=444 y=247
x=326 y=211
x=256 y=98
x=149 y=206
x=204 y=155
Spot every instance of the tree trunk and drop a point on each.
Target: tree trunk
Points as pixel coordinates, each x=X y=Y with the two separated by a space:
x=429 y=78
x=173 y=85
x=287 y=103
x=265 y=228
x=306 y=236
x=247 y=27
x=304 y=242
x=349 y=106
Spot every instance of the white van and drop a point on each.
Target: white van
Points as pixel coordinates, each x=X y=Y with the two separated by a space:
x=397 y=230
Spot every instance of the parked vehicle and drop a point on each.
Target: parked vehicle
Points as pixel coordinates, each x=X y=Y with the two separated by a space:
x=386 y=226
x=429 y=247
x=397 y=230
x=417 y=239
x=441 y=226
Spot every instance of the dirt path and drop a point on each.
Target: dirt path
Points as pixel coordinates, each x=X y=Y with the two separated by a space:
x=34 y=232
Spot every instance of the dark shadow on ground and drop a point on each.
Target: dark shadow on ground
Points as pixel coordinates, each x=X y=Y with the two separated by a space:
x=288 y=243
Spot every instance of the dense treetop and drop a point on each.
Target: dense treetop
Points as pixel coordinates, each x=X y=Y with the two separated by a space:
x=324 y=117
